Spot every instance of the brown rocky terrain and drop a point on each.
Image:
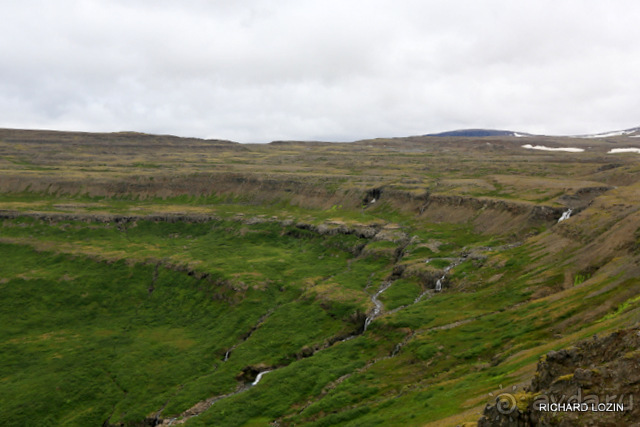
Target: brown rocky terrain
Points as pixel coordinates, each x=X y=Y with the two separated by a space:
x=601 y=375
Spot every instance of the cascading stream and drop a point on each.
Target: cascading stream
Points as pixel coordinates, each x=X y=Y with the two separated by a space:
x=259 y=377
x=440 y=281
x=565 y=215
x=203 y=406
x=377 y=303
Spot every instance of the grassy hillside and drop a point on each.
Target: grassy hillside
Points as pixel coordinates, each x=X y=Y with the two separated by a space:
x=152 y=280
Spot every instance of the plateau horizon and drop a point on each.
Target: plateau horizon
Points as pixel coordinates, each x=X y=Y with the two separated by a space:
x=468 y=133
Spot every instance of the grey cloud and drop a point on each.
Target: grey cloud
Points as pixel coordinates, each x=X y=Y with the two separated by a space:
x=336 y=70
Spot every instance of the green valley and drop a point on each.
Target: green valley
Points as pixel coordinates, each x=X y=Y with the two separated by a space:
x=154 y=280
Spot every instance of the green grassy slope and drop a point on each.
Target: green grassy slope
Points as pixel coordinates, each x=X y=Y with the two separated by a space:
x=132 y=297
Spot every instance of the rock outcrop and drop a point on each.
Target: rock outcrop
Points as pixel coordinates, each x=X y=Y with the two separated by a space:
x=595 y=383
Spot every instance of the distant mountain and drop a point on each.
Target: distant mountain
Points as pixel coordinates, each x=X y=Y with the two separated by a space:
x=477 y=133
x=633 y=132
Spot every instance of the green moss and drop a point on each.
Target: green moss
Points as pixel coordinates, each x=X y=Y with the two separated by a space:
x=562 y=378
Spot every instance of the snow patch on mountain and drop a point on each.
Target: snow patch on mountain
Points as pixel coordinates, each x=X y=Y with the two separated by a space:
x=627 y=132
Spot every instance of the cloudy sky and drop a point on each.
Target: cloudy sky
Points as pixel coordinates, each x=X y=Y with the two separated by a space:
x=260 y=70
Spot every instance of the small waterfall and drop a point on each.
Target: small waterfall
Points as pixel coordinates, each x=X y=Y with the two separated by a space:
x=438 y=287
x=440 y=281
x=366 y=322
x=445 y=272
x=565 y=215
x=226 y=355
x=259 y=377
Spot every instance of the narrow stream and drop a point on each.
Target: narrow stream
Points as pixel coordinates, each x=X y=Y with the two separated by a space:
x=377 y=303
x=246 y=336
x=202 y=406
x=376 y=312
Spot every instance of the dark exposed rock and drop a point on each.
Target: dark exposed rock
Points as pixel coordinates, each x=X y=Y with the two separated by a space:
x=536 y=212
x=583 y=196
x=330 y=229
x=249 y=373
x=108 y=218
x=372 y=195
x=609 y=166
x=494 y=416
x=595 y=371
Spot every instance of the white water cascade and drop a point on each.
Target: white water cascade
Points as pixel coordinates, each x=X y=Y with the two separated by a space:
x=438 y=287
x=444 y=275
x=259 y=377
x=565 y=215
x=439 y=284
x=378 y=304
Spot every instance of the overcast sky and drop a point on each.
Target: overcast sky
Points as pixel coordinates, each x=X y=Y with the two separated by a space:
x=256 y=71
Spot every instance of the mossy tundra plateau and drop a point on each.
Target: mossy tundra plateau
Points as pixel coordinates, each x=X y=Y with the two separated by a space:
x=156 y=280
